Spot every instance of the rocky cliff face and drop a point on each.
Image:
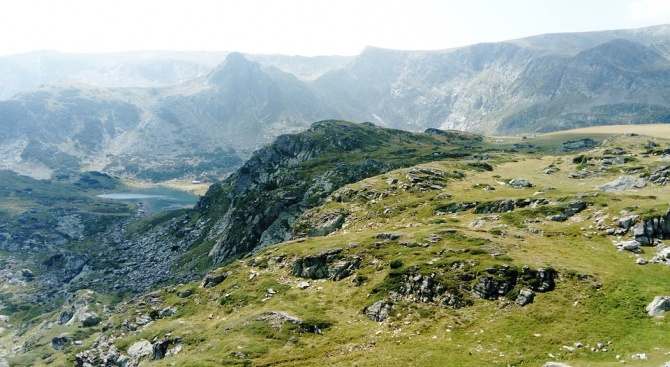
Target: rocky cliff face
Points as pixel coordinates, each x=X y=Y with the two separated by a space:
x=258 y=205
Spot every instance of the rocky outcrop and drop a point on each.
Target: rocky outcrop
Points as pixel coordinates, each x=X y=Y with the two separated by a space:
x=325 y=265
x=570 y=146
x=520 y=183
x=59 y=342
x=525 y=297
x=660 y=176
x=502 y=281
x=214 y=278
x=315 y=223
x=623 y=183
x=571 y=209
x=647 y=231
x=259 y=204
x=498 y=206
x=491 y=288
x=105 y=354
x=658 y=306
x=378 y=311
x=415 y=287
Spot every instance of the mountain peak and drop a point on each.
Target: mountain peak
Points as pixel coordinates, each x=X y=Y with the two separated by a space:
x=235 y=64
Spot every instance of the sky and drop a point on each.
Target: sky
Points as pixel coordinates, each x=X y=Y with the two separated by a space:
x=303 y=27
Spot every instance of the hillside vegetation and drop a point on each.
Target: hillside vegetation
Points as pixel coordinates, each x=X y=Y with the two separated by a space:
x=516 y=253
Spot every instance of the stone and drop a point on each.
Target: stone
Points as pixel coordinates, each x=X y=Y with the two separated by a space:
x=160 y=349
x=658 y=306
x=627 y=222
x=184 y=294
x=632 y=246
x=4 y=318
x=303 y=285
x=143 y=320
x=378 y=311
x=167 y=311
x=140 y=349
x=640 y=356
x=525 y=297
x=641 y=261
x=623 y=183
x=212 y=279
x=545 y=280
x=90 y=319
x=555 y=364
x=59 y=342
x=520 y=183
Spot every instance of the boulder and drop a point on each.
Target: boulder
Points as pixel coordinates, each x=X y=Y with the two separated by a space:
x=90 y=319
x=378 y=311
x=167 y=311
x=140 y=349
x=623 y=183
x=658 y=306
x=525 y=297
x=184 y=294
x=555 y=364
x=545 y=280
x=325 y=265
x=59 y=342
x=212 y=278
x=632 y=246
x=627 y=222
x=64 y=317
x=520 y=183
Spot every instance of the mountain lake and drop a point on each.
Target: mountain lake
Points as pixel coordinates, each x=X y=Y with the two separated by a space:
x=155 y=199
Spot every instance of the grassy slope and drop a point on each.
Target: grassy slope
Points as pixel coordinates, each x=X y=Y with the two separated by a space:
x=600 y=295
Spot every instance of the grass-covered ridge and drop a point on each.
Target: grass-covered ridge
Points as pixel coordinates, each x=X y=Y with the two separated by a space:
x=258 y=204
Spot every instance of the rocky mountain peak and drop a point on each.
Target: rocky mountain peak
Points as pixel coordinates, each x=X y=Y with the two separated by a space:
x=236 y=68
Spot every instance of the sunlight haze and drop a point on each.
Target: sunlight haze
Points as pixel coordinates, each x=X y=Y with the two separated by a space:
x=303 y=27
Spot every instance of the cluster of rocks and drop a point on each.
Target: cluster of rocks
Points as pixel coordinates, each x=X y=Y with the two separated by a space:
x=503 y=280
x=570 y=146
x=415 y=287
x=379 y=311
x=76 y=309
x=314 y=223
x=570 y=209
x=139 y=263
x=325 y=265
x=660 y=176
x=105 y=354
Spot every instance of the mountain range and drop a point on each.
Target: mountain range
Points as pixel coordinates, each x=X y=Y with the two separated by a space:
x=399 y=239
x=150 y=128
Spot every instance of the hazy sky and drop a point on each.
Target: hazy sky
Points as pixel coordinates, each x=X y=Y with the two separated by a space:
x=303 y=27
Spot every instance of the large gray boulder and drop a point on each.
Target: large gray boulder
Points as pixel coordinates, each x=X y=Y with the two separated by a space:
x=623 y=183
x=525 y=297
x=658 y=306
x=378 y=311
x=140 y=349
